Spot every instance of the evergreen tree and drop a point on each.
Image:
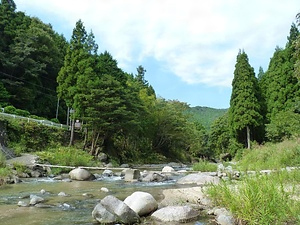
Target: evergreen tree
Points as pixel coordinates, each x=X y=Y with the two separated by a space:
x=245 y=109
x=279 y=84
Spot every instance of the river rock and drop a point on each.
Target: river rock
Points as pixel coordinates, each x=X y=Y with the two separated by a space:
x=168 y=169
x=103 y=216
x=175 y=214
x=22 y=204
x=112 y=210
x=62 y=194
x=104 y=189
x=154 y=177
x=132 y=175
x=142 y=203
x=81 y=174
x=199 y=179
x=108 y=173
x=224 y=217
x=34 y=199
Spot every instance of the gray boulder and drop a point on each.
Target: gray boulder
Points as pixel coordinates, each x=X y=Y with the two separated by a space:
x=112 y=210
x=175 y=214
x=102 y=215
x=168 y=169
x=154 y=177
x=142 y=203
x=81 y=174
x=199 y=179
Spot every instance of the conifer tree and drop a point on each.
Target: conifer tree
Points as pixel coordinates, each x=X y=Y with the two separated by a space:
x=245 y=109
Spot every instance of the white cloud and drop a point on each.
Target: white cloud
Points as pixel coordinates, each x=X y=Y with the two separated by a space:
x=197 y=40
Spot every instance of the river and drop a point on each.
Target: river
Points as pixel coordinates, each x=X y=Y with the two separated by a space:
x=74 y=209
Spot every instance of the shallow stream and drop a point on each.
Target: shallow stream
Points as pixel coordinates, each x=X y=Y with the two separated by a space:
x=77 y=207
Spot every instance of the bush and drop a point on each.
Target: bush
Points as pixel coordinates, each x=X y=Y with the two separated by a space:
x=21 y=112
x=10 y=109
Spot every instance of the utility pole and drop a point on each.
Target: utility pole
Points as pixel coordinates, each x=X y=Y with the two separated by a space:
x=72 y=127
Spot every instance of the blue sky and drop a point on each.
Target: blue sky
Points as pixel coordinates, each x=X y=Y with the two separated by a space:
x=188 y=47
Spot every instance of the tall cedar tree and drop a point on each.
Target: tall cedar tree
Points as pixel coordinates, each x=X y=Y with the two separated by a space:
x=245 y=108
x=279 y=85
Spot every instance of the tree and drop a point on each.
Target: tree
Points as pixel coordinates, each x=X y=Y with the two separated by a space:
x=279 y=84
x=245 y=109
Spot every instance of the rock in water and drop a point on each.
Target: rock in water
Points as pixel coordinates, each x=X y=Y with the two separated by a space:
x=142 y=203
x=110 y=208
x=81 y=174
x=175 y=214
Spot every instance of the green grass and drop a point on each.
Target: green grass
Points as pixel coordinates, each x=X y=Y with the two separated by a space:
x=205 y=166
x=260 y=200
x=271 y=156
x=66 y=156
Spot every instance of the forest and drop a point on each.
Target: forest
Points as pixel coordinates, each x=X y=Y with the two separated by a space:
x=43 y=74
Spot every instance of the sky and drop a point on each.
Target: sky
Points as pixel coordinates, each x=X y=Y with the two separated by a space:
x=188 y=47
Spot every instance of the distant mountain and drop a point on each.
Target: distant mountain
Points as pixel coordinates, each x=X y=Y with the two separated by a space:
x=206 y=115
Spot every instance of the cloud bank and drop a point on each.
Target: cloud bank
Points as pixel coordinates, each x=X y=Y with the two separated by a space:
x=196 y=40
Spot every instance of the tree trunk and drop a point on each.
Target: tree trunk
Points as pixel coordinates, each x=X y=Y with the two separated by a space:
x=248 y=137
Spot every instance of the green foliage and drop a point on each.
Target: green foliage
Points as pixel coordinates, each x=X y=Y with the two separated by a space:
x=21 y=112
x=66 y=156
x=284 y=125
x=259 y=200
x=205 y=166
x=271 y=156
x=20 y=168
x=219 y=135
x=4 y=172
x=10 y=109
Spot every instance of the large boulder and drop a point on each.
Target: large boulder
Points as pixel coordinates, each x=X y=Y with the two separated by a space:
x=81 y=174
x=199 y=179
x=175 y=214
x=112 y=210
x=142 y=203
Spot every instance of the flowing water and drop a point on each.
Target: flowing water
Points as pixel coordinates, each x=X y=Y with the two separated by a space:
x=76 y=208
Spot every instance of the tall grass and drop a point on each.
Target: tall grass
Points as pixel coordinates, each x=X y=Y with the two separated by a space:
x=205 y=166
x=260 y=200
x=271 y=156
x=66 y=156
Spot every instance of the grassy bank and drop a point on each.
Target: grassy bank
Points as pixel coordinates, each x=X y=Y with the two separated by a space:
x=264 y=199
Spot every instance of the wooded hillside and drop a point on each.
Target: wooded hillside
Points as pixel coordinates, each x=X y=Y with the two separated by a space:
x=120 y=112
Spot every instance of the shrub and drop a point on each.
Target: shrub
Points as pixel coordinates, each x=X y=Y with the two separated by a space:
x=21 y=112
x=10 y=109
